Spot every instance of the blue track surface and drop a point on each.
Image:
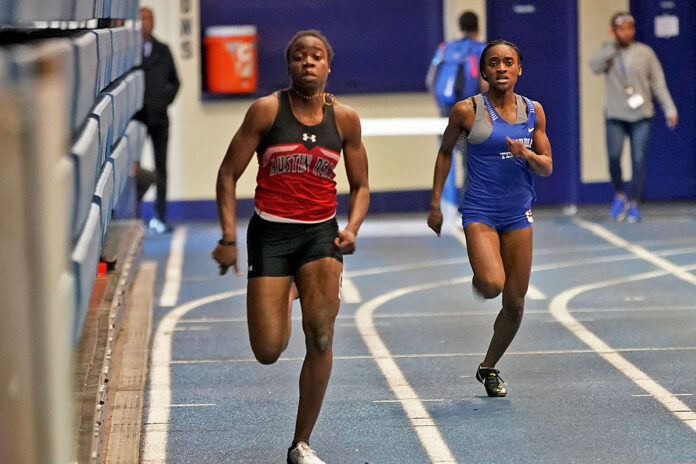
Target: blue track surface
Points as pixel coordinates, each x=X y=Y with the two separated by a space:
x=630 y=286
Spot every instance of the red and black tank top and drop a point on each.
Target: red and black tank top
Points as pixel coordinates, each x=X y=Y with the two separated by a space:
x=295 y=182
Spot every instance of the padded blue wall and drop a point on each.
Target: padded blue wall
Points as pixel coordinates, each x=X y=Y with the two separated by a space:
x=671 y=158
x=546 y=33
x=379 y=46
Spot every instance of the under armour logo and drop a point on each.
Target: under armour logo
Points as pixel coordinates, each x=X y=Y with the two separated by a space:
x=311 y=137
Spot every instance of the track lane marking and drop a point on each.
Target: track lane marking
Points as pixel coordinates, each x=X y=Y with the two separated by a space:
x=426 y=429
x=175 y=263
x=156 y=433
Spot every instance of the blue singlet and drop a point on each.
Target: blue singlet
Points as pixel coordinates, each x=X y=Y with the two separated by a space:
x=500 y=188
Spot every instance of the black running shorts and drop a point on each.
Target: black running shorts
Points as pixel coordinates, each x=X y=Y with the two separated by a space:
x=277 y=249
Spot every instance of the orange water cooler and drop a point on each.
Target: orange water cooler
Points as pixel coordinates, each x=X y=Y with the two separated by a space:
x=231 y=63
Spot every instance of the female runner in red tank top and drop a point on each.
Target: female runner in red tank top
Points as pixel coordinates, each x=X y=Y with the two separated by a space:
x=298 y=135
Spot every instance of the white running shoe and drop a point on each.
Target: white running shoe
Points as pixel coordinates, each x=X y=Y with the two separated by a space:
x=301 y=453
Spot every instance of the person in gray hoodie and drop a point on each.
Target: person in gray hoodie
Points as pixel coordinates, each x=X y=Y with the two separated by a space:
x=633 y=76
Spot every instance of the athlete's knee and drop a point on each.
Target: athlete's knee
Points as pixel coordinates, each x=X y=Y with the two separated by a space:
x=488 y=287
x=268 y=353
x=319 y=340
x=514 y=310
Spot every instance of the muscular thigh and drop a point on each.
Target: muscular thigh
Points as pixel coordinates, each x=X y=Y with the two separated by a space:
x=483 y=248
x=516 y=253
x=318 y=283
x=267 y=307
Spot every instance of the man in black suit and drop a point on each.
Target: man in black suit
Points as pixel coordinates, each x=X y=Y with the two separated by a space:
x=161 y=86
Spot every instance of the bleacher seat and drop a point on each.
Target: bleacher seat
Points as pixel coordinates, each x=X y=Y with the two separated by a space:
x=119 y=99
x=85 y=155
x=139 y=75
x=86 y=72
x=103 y=112
x=28 y=60
x=120 y=42
x=83 y=10
x=137 y=44
x=104 y=194
x=135 y=134
x=85 y=257
x=26 y=11
x=104 y=57
x=119 y=159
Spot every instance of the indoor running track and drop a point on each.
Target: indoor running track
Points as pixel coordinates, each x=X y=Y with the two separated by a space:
x=602 y=369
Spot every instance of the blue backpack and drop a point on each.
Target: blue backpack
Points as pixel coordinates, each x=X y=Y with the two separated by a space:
x=458 y=71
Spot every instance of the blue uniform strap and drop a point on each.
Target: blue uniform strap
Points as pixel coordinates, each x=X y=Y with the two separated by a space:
x=490 y=109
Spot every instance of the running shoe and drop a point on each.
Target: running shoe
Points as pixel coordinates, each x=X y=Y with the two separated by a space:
x=301 y=453
x=490 y=378
x=158 y=227
x=618 y=209
x=633 y=215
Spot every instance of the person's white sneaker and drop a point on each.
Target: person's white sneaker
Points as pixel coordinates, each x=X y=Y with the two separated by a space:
x=301 y=453
x=158 y=227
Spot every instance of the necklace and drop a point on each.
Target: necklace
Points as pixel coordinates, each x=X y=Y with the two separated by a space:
x=328 y=98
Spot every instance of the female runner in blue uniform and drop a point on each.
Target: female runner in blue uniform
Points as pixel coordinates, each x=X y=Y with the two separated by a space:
x=507 y=142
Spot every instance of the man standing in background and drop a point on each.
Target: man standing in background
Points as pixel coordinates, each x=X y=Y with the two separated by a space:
x=161 y=86
x=633 y=76
x=453 y=76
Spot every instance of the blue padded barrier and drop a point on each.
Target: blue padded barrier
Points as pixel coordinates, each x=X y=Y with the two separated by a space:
x=83 y=10
x=119 y=160
x=119 y=41
x=28 y=59
x=85 y=155
x=119 y=99
x=139 y=77
x=85 y=257
x=104 y=195
x=103 y=112
x=104 y=57
x=26 y=11
x=86 y=73
x=137 y=42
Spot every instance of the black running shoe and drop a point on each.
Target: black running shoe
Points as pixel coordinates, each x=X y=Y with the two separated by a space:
x=490 y=378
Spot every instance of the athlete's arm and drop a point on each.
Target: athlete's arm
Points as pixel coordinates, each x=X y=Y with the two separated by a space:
x=461 y=119
x=539 y=160
x=355 y=159
x=257 y=121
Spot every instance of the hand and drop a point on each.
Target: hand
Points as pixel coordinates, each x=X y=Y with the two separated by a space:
x=435 y=220
x=345 y=242
x=516 y=147
x=672 y=121
x=226 y=257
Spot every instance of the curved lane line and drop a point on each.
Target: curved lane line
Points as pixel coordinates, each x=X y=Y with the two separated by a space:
x=428 y=433
x=160 y=390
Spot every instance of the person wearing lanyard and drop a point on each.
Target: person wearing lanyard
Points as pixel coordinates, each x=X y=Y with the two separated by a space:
x=633 y=76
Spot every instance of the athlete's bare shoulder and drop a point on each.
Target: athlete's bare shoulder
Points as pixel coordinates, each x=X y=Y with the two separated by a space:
x=347 y=120
x=262 y=112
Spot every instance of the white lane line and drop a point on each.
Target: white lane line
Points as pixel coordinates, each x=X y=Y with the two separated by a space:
x=675 y=394
x=192 y=405
x=559 y=310
x=349 y=292
x=534 y=293
x=637 y=250
x=172 y=276
x=434 y=400
x=425 y=427
x=160 y=393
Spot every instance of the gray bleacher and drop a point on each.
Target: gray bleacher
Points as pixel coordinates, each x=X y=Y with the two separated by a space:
x=68 y=94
